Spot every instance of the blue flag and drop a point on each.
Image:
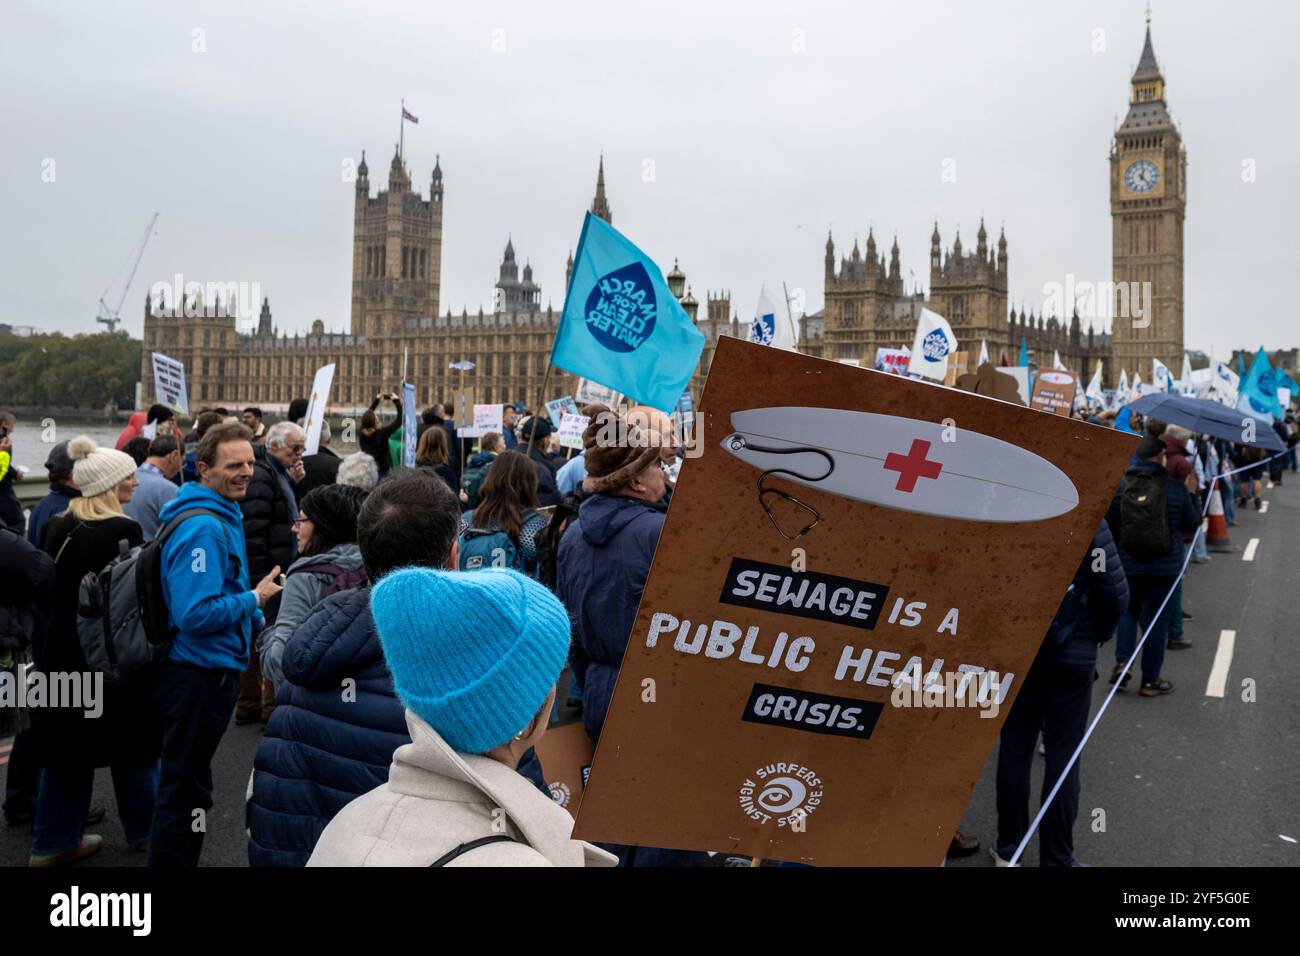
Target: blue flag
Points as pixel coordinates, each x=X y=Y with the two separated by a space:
x=621 y=326
x=1257 y=392
x=1024 y=352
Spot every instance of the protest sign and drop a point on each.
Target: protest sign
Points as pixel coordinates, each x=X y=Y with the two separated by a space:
x=560 y=407
x=316 y=407
x=488 y=418
x=565 y=756
x=593 y=393
x=765 y=703
x=571 y=429
x=1020 y=373
x=1054 y=391
x=169 y=384
x=409 y=427
x=892 y=360
x=464 y=408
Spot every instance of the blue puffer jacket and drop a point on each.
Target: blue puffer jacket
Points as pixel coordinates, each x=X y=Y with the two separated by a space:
x=1184 y=518
x=322 y=748
x=604 y=559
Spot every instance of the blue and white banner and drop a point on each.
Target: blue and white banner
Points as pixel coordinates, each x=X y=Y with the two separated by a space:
x=621 y=326
x=932 y=347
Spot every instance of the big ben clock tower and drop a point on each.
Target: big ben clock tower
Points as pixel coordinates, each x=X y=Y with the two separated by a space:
x=1148 y=202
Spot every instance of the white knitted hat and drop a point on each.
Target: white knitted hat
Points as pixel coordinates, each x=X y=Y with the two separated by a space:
x=95 y=469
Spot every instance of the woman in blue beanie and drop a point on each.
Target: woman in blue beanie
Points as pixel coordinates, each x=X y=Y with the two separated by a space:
x=477 y=698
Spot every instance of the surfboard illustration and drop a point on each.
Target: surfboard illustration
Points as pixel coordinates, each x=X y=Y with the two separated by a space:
x=902 y=463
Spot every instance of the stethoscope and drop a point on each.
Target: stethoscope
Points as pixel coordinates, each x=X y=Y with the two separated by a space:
x=740 y=442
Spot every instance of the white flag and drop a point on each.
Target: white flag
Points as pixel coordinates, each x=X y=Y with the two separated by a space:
x=1186 y=378
x=1225 y=384
x=1160 y=375
x=771 y=325
x=1056 y=360
x=1094 y=392
x=984 y=353
x=1122 y=390
x=933 y=344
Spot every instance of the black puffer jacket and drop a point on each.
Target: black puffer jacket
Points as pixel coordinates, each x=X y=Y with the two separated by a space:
x=268 y=524
x=26 y=586
x=1098 y=596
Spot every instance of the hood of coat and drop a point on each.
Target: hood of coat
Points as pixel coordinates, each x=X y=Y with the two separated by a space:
x=195 y=495
x=428 y=767
x=340 y=640
x=602 y=517
x=346 y=557
x=480 y=458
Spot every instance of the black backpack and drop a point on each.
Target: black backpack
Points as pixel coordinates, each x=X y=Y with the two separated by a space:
x=122 y=621
x=1144 y=517
x=548 y=542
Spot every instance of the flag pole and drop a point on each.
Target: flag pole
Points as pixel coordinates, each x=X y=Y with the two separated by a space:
x=541 y=401
x=401 y=136
x=789 y=316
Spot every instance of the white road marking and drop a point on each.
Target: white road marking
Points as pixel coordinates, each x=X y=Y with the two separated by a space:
x=1214 y=687
x=1249 y=553
x=1263 y=507
x=1287 y=838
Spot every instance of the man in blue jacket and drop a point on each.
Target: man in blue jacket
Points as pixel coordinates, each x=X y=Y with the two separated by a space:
x=1054 y=699
x=215 y=613
x=1152 y=553
x=603 y=562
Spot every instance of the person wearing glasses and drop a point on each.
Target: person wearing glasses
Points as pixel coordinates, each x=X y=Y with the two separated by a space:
x=270 y=508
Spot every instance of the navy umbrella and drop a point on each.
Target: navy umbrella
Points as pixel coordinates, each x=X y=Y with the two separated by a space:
x=1208 y=418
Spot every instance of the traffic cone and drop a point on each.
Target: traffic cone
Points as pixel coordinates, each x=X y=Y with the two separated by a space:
x=1216 y=538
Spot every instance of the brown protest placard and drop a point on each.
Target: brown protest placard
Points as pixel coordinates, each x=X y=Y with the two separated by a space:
x=565 y=754
x=464 y=408
x=1054 y=391
x=756 y=709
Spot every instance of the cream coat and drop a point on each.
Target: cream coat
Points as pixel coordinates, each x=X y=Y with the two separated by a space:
x=436 y=799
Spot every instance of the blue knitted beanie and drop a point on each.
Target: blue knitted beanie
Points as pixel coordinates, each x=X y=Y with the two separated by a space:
x=473 y=653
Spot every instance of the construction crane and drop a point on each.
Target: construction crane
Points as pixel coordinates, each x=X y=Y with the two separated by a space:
x=111 y=316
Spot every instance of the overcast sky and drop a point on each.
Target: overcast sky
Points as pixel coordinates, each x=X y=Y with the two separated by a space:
x=734 y=135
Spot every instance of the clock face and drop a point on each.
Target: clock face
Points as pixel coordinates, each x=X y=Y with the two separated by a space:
x=1142 y=176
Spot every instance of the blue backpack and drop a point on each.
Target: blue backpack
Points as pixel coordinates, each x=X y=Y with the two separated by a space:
x=491 y=548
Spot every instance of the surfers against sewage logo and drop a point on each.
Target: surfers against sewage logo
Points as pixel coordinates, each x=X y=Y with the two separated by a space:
x=786 y=792
x=621 y=309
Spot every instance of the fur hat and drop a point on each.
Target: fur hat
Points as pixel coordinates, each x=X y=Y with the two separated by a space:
x=616 y=450
x=95 y=470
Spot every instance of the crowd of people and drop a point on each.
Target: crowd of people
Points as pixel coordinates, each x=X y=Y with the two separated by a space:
x=1130 y=583
x=403 y=634
x=274 y=568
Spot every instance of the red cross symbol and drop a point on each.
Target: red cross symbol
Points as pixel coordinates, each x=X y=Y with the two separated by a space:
x=913 y=465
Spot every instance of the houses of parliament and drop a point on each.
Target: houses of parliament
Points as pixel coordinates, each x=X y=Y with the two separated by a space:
x=396 y=282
